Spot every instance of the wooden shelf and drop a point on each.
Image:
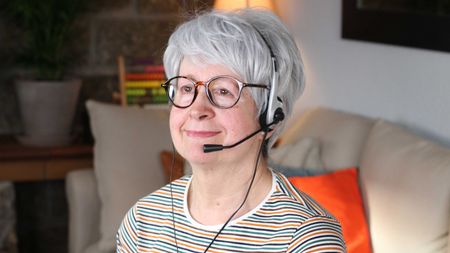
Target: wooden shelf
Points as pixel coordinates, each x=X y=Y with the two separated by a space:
x=21 y=163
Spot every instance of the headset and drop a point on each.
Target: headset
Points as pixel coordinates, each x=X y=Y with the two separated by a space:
x=273 y=113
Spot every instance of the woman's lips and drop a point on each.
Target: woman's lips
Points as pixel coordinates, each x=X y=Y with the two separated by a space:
x=201 y=134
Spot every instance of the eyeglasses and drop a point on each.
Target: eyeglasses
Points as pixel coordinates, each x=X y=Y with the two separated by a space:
x=222 y=91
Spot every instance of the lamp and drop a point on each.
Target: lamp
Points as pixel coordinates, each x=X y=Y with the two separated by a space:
x=227 y=5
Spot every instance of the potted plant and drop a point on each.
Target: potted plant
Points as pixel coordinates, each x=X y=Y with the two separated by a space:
x=47 y=97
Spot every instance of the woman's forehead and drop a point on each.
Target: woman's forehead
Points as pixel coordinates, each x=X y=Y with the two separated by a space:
x=195 y=68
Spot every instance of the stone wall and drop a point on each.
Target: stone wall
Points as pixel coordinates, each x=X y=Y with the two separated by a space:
x=8 y=238
x=133 y=28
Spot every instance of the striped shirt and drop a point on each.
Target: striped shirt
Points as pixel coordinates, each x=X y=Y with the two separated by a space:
x=286 y=221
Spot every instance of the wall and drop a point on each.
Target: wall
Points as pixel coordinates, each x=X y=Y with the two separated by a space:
x=404 y=85
x=134 y=28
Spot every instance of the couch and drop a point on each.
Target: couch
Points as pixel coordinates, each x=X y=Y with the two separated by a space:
x=128 y=142
x=404 y=178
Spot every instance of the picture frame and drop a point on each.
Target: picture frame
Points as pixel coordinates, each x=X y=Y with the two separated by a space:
x=403 y=28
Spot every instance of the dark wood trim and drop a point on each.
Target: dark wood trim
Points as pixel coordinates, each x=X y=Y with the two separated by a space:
x=20 y=163
x=405 y=29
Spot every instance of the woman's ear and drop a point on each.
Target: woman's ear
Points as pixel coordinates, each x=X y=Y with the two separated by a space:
x=268 y=135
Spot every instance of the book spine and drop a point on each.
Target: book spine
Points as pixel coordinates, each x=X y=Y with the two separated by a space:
x=145 y=68
x=144 y=76
x=154 y=68
x=146 y=96
x=144 y=84
x=144 y=100
x=138 y=92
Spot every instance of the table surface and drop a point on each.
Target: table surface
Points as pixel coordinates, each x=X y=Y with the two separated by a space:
x=22 y=163
x=12 y=150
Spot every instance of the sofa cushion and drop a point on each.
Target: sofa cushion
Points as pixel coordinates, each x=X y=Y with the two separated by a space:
x=341 y=135
x=300 y=158
x=84 y=209
x=338 y=192
x=406 y=182
x=126 y=159
x=95 y=248
x=304 y=152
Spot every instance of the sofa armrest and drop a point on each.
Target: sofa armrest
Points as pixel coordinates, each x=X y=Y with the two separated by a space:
x=84 y=209
x=448 y=241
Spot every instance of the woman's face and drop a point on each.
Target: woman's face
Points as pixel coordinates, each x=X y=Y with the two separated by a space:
x=202 y=123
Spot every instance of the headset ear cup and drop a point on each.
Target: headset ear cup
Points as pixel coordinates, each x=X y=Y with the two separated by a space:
x=262 y=120
x=277 y=118
x=278 y=115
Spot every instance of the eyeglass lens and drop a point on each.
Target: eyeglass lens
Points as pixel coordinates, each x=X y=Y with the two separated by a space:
x=222 y=91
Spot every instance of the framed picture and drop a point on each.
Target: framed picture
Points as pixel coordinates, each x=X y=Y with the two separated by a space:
x=412 y=23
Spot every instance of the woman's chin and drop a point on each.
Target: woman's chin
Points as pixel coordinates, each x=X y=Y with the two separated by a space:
x=200 y=158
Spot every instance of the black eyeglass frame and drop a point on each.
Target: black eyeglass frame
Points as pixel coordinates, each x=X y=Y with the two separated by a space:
x=242 y=85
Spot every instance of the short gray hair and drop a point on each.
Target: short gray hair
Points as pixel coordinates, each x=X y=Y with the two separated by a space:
x=233 y=39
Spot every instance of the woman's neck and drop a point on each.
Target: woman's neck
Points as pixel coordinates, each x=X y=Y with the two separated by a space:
x=216 y=193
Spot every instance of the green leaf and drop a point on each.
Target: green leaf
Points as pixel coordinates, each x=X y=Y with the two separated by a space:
x=46 y=26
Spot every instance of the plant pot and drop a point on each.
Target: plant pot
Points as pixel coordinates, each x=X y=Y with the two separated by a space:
x=47 y=109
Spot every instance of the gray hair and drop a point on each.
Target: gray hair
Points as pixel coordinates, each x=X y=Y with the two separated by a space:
x=232 y=39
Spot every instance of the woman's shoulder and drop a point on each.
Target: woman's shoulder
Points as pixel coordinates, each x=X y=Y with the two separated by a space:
x=288 y=197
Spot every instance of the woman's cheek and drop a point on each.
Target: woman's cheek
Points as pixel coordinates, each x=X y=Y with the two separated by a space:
x=175 y=125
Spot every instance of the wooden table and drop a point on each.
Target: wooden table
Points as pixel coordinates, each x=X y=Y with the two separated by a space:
x=20 y=163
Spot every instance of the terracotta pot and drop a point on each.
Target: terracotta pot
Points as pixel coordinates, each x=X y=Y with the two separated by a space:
x=47 y=109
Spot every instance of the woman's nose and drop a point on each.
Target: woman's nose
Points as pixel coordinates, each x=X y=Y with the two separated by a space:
x=201 y=108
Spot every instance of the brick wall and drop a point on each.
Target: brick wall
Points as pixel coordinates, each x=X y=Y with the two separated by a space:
x=133 y=28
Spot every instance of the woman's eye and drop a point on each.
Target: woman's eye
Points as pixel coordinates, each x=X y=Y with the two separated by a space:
x=224 y=88
x=222 y=92
x=186 y=89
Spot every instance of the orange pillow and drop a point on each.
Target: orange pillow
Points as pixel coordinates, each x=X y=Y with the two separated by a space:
x=338 y=192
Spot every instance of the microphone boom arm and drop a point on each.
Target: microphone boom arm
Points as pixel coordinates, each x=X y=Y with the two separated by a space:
x=207 y=148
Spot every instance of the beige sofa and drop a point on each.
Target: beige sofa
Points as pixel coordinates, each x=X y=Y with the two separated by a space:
x=128 y=141
x=405 y=180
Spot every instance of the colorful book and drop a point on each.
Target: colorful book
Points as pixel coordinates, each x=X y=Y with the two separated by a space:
x=146 y=100
x=145 y=68
x=145 y=91
x=140 y=82
x=146 y=95
x=144 y=84
x=144 y=76
x=154 y=68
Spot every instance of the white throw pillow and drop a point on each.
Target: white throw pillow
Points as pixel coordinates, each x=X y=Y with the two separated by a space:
x=406 y=180
x=303 y=153
x=128 y=141
x=341 y=135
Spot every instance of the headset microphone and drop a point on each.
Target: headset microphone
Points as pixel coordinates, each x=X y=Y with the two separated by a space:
x=278 y=116
x=207 y=148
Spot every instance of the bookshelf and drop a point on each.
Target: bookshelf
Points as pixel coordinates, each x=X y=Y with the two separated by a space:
x=140 y=84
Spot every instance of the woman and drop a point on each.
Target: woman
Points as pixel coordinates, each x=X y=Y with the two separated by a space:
x=224 y=68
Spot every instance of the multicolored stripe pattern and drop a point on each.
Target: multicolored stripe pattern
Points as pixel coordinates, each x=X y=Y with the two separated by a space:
x=288 y=221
